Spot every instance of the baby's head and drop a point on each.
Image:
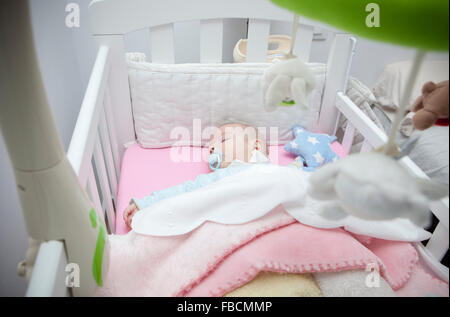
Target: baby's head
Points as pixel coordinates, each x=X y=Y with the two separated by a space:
x=237 y=142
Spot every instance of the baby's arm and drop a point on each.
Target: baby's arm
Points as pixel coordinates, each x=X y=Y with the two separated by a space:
x=137 y=204
x=129 y=213
x=202 y=180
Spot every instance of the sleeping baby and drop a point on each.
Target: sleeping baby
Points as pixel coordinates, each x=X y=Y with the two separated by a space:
x=230 y=147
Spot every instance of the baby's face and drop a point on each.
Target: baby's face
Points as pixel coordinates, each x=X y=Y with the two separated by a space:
x=236 y=142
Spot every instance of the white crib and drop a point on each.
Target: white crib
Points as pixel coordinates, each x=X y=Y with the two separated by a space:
x=105 y=123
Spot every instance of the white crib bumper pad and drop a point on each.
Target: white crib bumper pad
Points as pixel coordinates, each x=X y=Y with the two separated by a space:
x=251 y=194
x=166 y=97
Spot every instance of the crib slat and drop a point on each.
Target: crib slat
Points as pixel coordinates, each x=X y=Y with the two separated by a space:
x=338 y=66
x=162 y=44
x=119 y=90
x=438 y=243
x=93 y=192
x=112 y=132
x=211 y=39
x=104 y=186
x=303 y=42
x=109 y=161
x=258 y=40
x=366 y=147
x=440 y=210
x=349 y=136
x=362 y=122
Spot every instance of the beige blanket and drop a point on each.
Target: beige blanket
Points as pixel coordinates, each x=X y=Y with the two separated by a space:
x=269 y=284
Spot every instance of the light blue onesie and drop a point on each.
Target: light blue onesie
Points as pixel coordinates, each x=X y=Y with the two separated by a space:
x=188 y=186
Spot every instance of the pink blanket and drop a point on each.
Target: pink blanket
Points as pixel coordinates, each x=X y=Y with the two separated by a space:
x=422 y=284
x=215 y=258
x=297 y=248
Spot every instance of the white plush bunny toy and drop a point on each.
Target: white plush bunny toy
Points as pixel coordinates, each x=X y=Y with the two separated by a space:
x=288 y=82
x=373 y=186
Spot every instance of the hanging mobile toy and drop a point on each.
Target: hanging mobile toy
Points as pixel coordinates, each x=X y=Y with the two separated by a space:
x=288 y=82
x=373 y=185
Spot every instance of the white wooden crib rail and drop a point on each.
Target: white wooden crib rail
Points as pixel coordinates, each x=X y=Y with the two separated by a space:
x=438 y=244
x=93 y=150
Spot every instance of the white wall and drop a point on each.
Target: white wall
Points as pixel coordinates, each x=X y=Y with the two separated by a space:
x=370 y=58
x=187 y=40
x=66 y=57
x=13 y=240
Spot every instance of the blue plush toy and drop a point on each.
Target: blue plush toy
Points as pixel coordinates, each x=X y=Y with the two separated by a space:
x=314 y=149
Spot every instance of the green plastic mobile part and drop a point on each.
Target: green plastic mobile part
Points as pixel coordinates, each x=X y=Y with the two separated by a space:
x=415 y=23
x=287 y=103
x=99 y=247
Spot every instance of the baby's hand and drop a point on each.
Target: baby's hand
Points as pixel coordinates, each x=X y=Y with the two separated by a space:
x=129 y=213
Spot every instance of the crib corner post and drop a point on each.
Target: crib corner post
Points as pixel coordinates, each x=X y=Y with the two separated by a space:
x=337 y=75
x=119 y=90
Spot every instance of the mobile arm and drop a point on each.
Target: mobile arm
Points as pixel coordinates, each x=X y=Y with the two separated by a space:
x=54 y=205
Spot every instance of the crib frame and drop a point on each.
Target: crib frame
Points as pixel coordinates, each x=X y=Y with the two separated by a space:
x=105 y=122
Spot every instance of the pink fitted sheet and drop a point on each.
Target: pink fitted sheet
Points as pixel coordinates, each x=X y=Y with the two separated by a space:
x=144 y=171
